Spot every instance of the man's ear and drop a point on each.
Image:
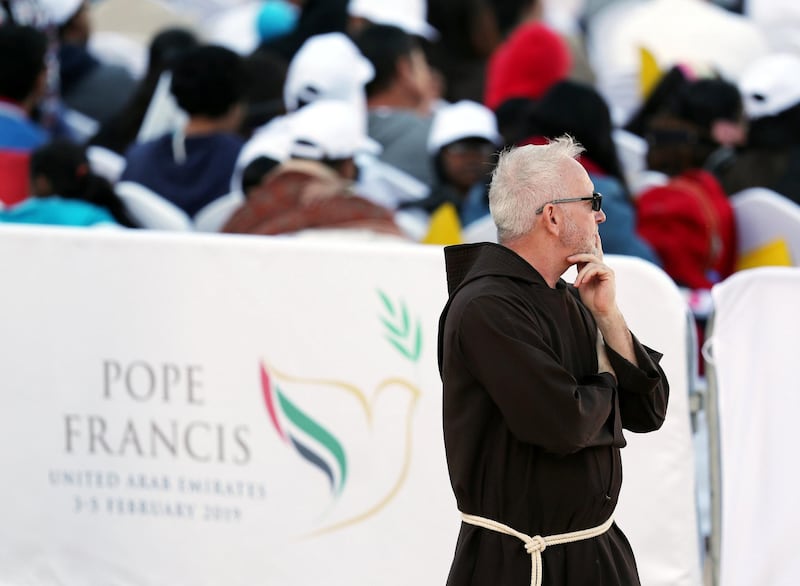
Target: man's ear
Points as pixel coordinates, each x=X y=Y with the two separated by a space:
x=550 y=219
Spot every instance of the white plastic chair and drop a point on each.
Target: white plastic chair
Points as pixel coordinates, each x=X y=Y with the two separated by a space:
x=213 y=216
x=105 y=162
x=750 y=356
x=163 y=114
x=657 y=507
x=81 y=126
x=764 y=217
x=481 y=230
x=151 y=210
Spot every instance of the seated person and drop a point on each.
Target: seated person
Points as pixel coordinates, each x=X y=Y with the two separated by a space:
x=65 y=192
x=93 y=88
x=462 y=144
x=193 y=167
x=22 y=84
x=315 y=188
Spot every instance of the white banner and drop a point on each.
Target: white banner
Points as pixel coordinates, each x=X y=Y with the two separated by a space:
x=211 y=410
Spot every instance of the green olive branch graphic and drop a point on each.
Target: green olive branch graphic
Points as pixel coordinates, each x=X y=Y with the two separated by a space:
x=400 y=333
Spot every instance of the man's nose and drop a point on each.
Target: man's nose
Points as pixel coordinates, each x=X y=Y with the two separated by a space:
x=600 y=216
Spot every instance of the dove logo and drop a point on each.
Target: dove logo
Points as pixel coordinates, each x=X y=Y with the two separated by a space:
x=353 y=444
x=309 y=438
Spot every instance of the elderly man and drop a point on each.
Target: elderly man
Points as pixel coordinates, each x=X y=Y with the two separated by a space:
x=540 y=377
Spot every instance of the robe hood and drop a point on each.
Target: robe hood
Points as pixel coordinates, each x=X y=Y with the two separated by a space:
x=467 y=262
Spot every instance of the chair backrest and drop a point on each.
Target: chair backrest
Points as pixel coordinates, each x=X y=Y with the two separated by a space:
x=753 y=387
x=632 y=153
x=163 y=114
x=658 y=507
x=768 y=226
x=150 y=210
x=213 y=216
x=481 y=230
x=105 y=162
x=81 y=126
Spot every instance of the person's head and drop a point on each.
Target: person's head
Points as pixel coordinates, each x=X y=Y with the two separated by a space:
x=659 y=100
x=264 y=96
x=770 y=89
x=409 y=15
x=166 y=48
x=463 y=141
x=330 y=132
x=714 y=105
x=527 y=193
x=23 y=69
x=210 y=82
x=327 y=66
x=401 y=68
x=78 y=27
x=61 y=168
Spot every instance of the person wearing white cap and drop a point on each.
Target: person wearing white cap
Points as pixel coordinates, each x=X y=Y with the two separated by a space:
x=314 y=187
x=193 y=166
x=93 y=88
x=770 y=90
x=462 y=144
x=327 y=66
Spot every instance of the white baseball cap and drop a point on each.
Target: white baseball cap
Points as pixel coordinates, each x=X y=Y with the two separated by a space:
x=60 y=11
x=327 y=129
x=464 y=119
x=409 y=15
x=771 y=85
x=327 y=66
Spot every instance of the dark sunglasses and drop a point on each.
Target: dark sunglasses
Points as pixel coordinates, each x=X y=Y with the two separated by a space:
x=596 y=198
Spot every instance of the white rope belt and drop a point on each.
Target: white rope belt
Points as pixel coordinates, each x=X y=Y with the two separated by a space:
x=536 y=545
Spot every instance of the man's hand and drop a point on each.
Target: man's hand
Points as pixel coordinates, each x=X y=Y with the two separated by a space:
x=597 y=286
x=595 y=281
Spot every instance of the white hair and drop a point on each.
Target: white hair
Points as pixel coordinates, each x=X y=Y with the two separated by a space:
x=526 y=178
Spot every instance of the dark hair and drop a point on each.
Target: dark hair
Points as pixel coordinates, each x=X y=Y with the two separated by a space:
x=65 y=165
x=577 y=109
x=658 y=101
x=509 y=13
x=513 y=116
x=209 y=81
x=679 y=133
x=166 y=48
x=706 y=100
x=264 y=96
x=22 y=60
x=777 y=131
x=384 y=45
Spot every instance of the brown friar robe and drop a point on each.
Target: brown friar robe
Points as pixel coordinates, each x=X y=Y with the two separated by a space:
x=532 y=431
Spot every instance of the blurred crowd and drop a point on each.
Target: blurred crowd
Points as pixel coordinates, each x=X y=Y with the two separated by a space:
x=378 y=119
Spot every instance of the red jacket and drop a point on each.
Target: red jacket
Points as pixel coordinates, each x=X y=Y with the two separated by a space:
x=690 y=223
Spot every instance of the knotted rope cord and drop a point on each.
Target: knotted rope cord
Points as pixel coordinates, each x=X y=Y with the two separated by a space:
x=536 y=544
